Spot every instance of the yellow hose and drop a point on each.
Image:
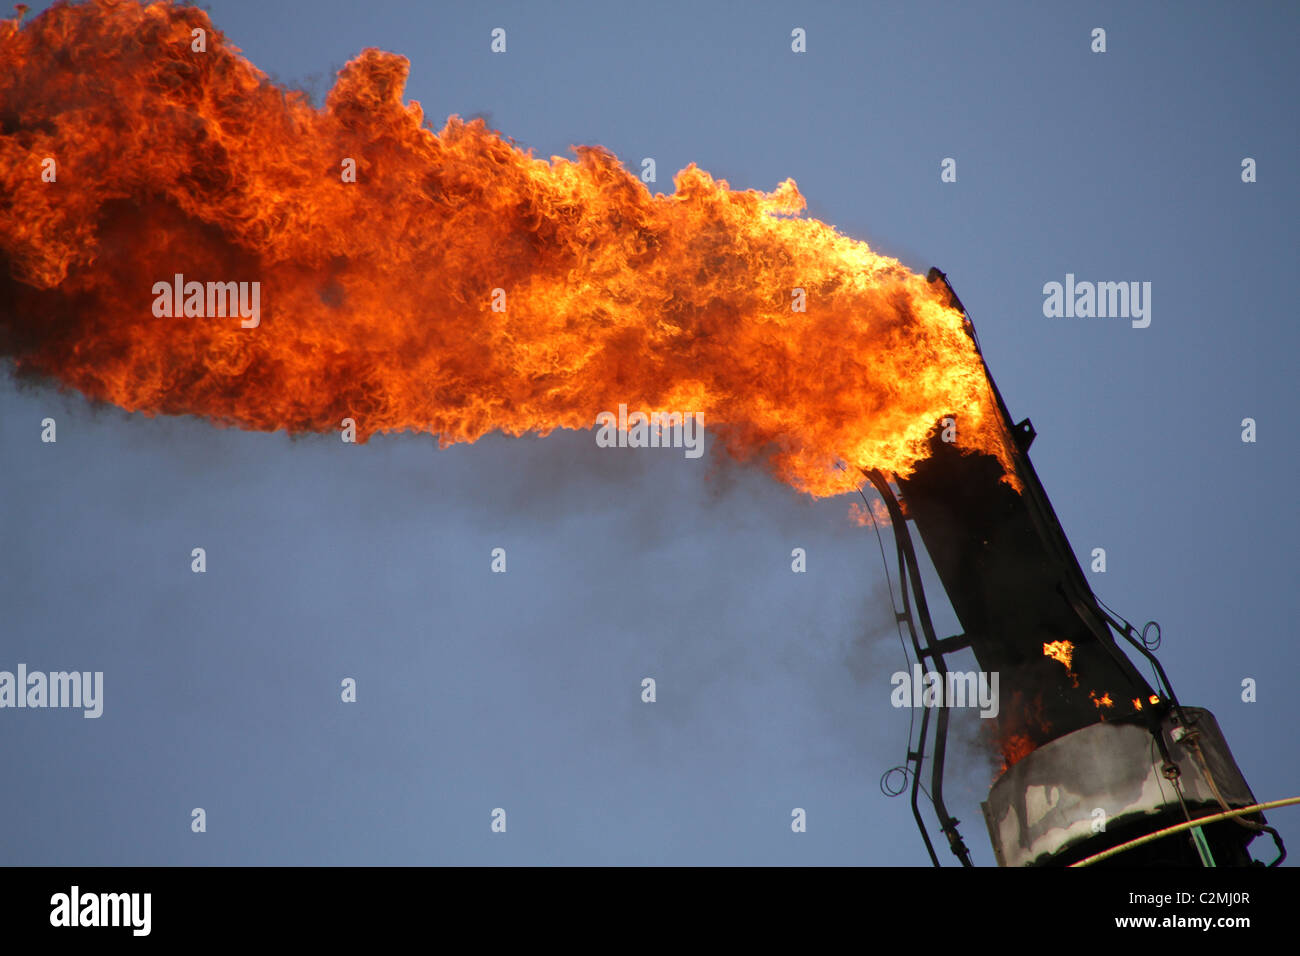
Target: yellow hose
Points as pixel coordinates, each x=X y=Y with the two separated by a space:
x=1177 y=828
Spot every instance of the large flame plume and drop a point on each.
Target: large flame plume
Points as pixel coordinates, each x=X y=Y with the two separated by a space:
x=377 y=295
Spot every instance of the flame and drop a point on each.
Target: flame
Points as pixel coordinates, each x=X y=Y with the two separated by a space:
x=1062 y=651
x=879 y=514
x=1023 y=727
x=1020 y=727
x=1015 y=747
x=377 y=294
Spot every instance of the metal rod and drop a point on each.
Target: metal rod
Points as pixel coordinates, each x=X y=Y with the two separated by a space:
x=912 y=573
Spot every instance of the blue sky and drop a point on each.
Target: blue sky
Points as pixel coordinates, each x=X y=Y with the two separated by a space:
x=522 y=690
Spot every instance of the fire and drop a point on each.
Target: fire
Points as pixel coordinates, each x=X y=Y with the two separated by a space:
x=1021 y=726
x=1102 y=701
x=1062 y=651
x=458 y=286
x=879 y=514
x=1015 y=748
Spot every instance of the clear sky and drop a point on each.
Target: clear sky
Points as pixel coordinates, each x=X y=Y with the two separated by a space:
x=522 y=691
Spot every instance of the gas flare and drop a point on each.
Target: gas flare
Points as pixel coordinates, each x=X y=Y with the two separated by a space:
x=458 y=286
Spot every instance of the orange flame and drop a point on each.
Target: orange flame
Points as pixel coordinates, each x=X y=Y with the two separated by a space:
x=1020 y=727
x=377 y=295
x=879 y=514
x=1062 y=651
x=1015 y=747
